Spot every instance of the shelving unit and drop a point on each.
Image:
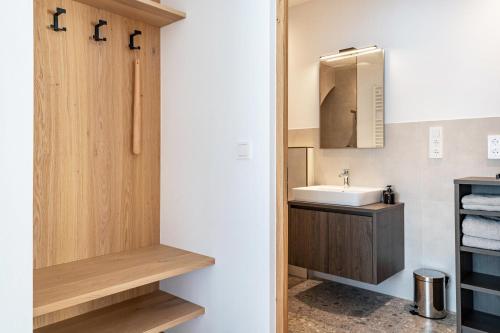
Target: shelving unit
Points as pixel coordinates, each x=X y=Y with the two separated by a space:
x=153 y=313
x=147 y=11
x=478 y=270
x=96 y=246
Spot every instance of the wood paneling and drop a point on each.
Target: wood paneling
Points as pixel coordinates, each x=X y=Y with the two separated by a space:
x=151 y=313
x=308 y=239
x=92 y=196
x=281 y=166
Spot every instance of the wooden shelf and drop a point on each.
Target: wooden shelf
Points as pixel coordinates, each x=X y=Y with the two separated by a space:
x=479 y=212
x=147 y=11
x=482 y=282
x=479 y=251
x=476 y=321
x=61 y=286
x=153 y=313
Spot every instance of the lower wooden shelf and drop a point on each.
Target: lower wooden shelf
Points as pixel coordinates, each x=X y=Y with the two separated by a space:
x=476 y=321
x=65 y=285
x=150 y=313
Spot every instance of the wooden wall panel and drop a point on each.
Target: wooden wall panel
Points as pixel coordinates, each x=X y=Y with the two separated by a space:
x=92 y=196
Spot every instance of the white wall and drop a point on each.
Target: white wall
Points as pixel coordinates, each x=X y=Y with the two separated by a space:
x=441 y=56
x=217 y=89
x=16 y=160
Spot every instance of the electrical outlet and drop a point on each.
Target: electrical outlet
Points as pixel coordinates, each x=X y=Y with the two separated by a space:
x=435 y=142
x=494 y=147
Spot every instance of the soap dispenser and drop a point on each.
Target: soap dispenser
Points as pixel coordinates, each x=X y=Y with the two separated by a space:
x=389 y=195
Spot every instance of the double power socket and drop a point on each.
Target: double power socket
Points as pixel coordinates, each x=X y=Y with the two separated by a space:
x=436 y=144
x=494 y=147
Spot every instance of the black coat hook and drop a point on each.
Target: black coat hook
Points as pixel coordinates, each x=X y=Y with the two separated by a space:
x=131 y=44
x=97 y=33
x=55 y=26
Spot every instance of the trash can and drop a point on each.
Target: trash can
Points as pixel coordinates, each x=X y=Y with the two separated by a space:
x=430 y=293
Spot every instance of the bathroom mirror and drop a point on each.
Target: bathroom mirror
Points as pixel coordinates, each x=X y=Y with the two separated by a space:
x=352 y=99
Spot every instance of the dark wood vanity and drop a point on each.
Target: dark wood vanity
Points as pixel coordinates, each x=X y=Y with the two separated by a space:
x=363 y=243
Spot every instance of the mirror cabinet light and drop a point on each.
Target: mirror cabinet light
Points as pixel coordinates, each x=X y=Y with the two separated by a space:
x=350 y=52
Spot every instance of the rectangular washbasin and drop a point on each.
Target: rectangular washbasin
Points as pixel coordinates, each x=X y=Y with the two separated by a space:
x=338 y=195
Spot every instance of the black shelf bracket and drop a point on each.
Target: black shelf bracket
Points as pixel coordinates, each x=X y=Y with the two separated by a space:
x=131 y=44
x=97 y=33
x=55 y=25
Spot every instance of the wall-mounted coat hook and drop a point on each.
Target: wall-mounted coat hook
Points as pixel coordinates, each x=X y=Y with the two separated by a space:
x=97 y=33
x=131 y=44
x=55 y=25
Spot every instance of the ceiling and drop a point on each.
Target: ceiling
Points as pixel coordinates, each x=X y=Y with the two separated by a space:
x=292 y=3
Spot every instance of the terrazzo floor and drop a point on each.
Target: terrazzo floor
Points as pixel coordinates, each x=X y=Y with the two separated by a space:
x=316 y=306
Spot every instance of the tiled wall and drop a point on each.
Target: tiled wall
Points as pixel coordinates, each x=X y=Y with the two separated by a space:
x=424 y=185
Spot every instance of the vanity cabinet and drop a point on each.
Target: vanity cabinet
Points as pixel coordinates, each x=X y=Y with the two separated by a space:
x=360 y=243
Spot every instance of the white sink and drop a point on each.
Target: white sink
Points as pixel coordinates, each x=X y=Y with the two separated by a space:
x=338 y=195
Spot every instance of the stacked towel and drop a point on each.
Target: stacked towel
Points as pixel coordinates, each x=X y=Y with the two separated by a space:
x=482 y=227
x=481 y=232
x=482 y=243
x=488 y=202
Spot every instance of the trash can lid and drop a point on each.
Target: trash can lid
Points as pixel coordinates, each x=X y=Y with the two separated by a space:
x=428 y=275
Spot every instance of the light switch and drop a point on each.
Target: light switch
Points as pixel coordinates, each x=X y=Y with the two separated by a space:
x=244 y=151
x=435 y=142
x=494 y=147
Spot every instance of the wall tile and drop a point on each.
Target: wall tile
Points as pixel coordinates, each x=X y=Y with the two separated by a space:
x=424 y=185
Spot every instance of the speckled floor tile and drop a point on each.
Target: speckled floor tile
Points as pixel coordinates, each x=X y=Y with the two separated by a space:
x=316 y=306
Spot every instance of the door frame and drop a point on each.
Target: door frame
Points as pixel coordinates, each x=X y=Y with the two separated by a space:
x=281 y=166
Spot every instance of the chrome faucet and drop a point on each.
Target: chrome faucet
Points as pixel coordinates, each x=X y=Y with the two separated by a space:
x=345 y=174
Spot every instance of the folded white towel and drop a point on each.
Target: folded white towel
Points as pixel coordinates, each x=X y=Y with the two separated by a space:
x=482 y=243
x=482 y=227
x=482 y=199
x=482 y=207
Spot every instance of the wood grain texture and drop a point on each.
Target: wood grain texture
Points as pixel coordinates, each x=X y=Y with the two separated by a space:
x=389 y=247
x=100 y=303
x=92 y=196
x=61 y=286
x=281 y=166
x=308 y=239
x=137 y=128
x=357 y=243
x=151 y=313
x=147 y=11
x=351 y=246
